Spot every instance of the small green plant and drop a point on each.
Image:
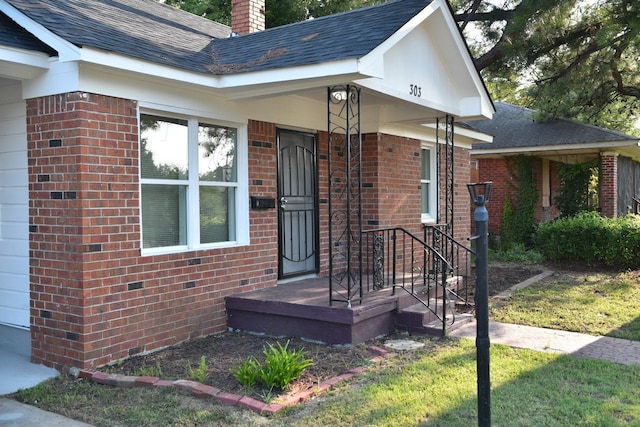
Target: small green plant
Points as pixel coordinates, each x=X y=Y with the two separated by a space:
x=199 y=374
x=150 y=371
x=280 y=368
x=248 y=373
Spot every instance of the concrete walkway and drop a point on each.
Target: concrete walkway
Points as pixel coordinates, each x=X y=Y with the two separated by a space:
x=550 y=340
x=16 y=370
x=16 y=414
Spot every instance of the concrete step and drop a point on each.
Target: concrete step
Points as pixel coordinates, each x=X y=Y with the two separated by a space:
x=419 y=319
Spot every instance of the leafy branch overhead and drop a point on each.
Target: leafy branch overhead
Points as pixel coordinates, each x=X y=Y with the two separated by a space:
x=565 y=58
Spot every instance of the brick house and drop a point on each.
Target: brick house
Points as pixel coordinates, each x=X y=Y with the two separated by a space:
x=154 y=164
x=515 y=132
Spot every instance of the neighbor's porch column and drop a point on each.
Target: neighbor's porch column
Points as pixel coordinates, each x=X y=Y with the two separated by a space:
x=609 y=184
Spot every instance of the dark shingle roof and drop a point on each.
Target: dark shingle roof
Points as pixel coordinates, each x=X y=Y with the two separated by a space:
x=342 y=36
x=11 y=34
x=144 y=29
x=152 y=31
x=515 y=127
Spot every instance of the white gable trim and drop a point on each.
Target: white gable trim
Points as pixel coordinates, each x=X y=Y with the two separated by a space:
x=66 y=51
x=470 y=101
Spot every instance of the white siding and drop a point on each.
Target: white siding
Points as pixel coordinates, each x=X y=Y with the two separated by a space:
x=14 y=213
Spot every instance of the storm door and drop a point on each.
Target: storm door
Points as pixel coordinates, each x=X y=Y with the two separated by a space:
x=298 y=203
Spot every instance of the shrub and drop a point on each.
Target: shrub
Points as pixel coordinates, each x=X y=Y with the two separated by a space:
x=516 y=253
x=588 y=237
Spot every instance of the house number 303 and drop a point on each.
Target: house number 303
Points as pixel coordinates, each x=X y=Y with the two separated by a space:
x=415 y=90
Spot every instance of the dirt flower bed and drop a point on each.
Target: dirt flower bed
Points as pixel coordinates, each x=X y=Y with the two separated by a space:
x=225 y=352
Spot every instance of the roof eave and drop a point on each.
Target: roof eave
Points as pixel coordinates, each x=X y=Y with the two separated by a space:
x=238 y=86
x=555 y=148
x=22 y=64
x=283 y=81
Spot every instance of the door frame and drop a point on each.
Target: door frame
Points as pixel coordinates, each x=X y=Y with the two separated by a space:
x=316 y=203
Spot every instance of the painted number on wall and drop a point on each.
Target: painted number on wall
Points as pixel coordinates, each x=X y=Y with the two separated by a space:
x=415 y=90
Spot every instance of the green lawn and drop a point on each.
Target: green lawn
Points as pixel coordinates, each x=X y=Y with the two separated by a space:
x=528 y=389
x=595 y=304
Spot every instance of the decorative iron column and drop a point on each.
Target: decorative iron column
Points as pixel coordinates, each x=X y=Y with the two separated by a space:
x=345 y=194
x=445 y=154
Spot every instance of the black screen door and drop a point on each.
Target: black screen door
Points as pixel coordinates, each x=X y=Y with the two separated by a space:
x=297 y=194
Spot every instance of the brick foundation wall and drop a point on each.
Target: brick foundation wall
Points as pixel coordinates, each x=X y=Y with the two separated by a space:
x=94 y=299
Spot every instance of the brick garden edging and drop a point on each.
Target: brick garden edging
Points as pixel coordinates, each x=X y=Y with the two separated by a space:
x=204 y=391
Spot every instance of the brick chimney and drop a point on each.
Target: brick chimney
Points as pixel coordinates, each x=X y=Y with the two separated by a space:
x=247 y=16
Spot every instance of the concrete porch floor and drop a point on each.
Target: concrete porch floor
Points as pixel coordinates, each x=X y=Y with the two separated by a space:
x=16 y=370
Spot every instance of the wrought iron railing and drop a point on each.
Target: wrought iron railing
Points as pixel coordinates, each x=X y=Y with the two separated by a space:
x=459 y=256
x=393 y=257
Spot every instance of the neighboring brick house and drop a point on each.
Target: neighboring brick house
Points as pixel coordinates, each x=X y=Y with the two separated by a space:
x=515 y=132
x=143 y=149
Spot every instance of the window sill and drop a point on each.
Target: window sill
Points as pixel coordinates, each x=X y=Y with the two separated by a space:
x=183 y=249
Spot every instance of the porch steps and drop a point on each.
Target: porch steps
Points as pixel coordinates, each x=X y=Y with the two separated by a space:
x=418 y=319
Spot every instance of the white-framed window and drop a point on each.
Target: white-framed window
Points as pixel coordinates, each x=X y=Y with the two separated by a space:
x=193 y=183
x=428 y=183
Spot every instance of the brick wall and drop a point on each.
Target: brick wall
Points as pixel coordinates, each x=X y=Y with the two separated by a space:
x=93 y=297
x=496 y=170
x=391 y=181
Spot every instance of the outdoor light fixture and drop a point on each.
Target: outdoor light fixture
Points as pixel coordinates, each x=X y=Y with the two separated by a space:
x=480 y=193
x=339 y=94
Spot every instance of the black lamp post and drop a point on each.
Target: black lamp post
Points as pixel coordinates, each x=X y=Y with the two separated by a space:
x=480 y=192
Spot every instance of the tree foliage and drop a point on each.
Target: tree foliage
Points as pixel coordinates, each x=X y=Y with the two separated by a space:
x=216 y=10
x=575 y=59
